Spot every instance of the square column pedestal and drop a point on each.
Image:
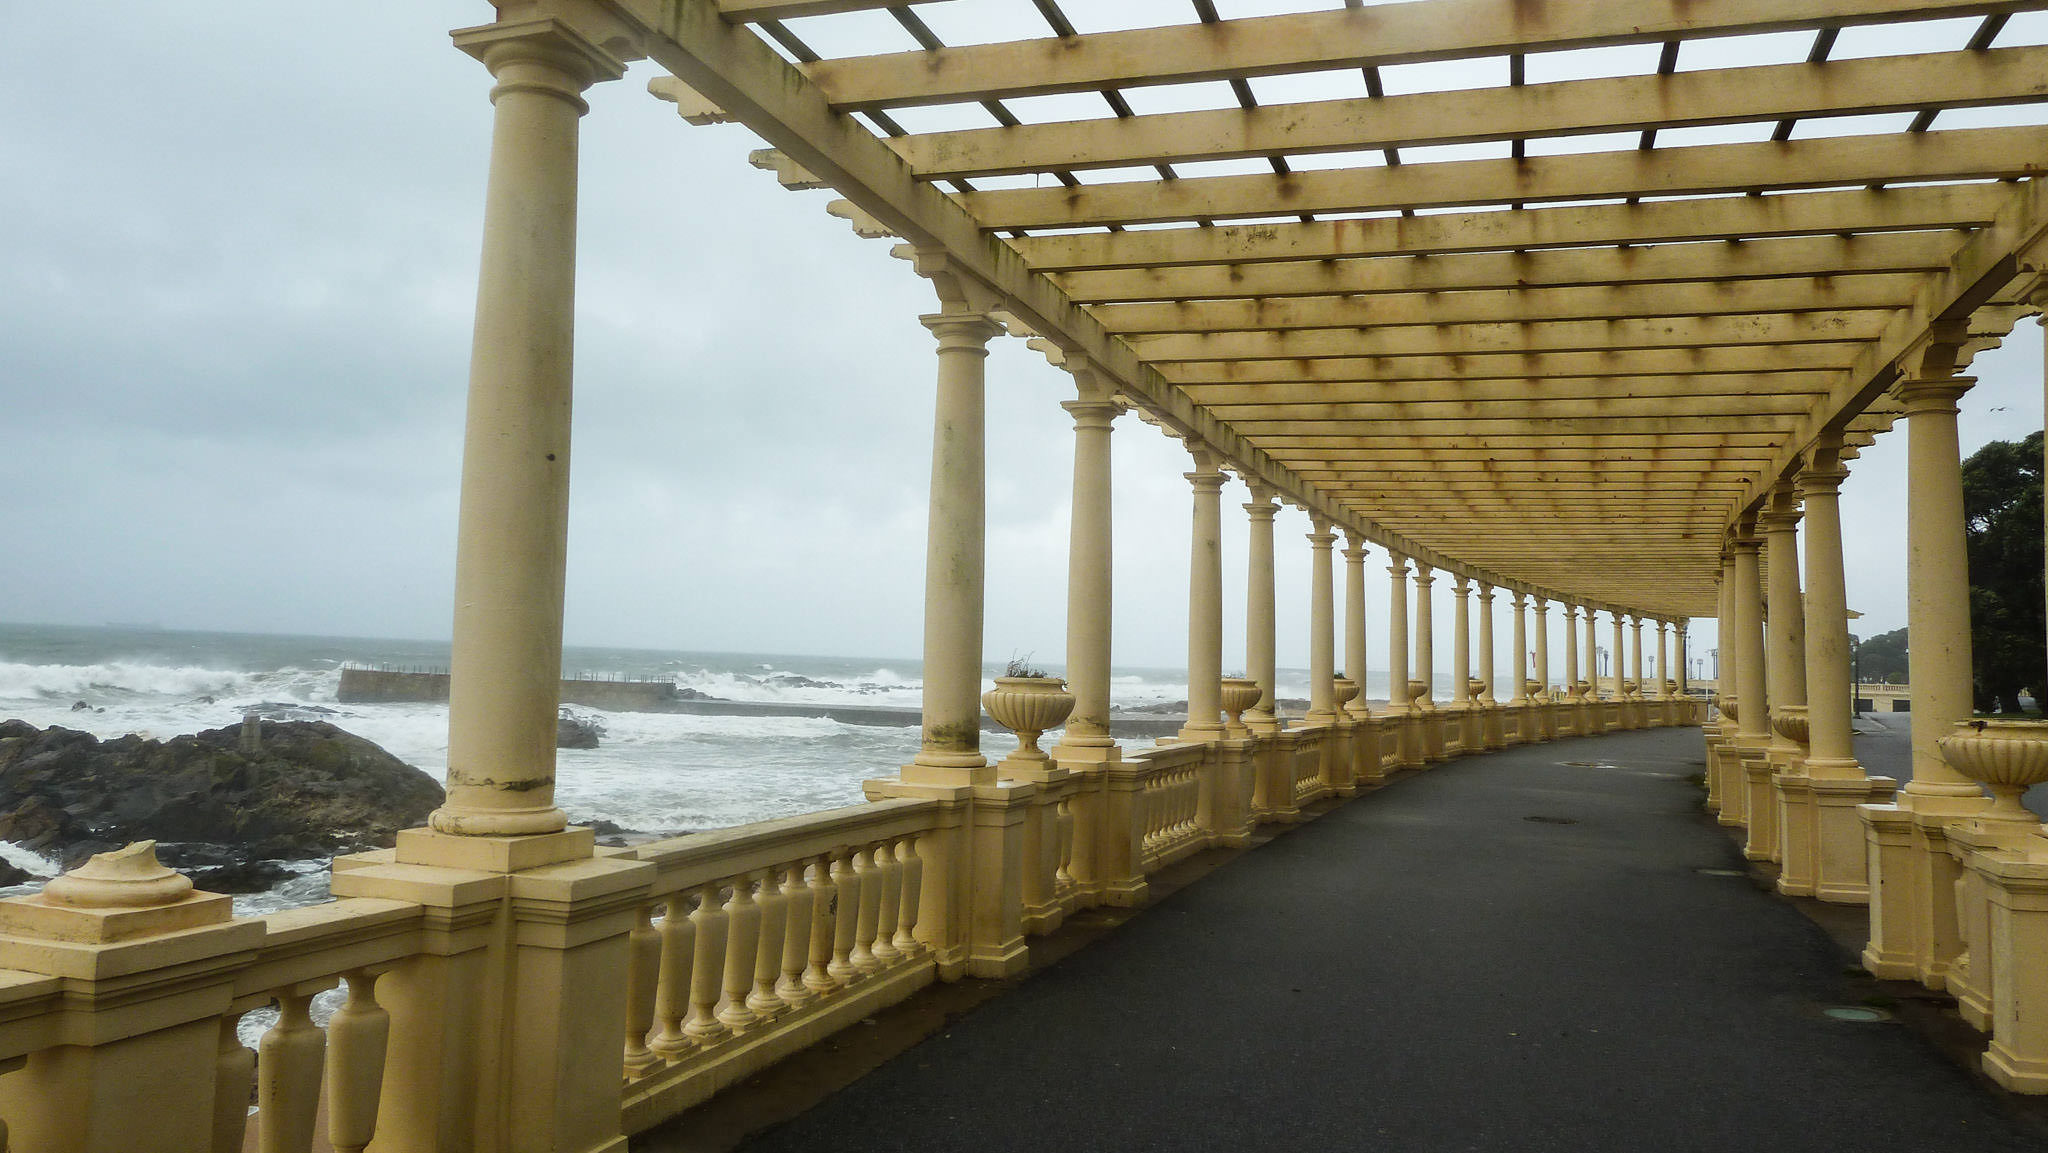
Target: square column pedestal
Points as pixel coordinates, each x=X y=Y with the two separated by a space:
x=1822 y=845
x=2015 y=886
x=1913 y=930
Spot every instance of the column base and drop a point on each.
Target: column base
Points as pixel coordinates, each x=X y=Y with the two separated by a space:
x=1798 y=834
x=1760 y=806
x=2016 y=885
x=428 y=846
x=1841 y=849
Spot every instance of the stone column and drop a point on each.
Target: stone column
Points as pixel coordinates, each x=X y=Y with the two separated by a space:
x=1635 y=656
x=1397 y=636
x=1205 y=602
x=1664 y=678
x=1486 y=654
x=513 y=535
x=1258 y=610
x=1089 y=588
x=1596 y=716
x=1520 y=688
x=1540 y=609
x=1785 y=642
x=1322 y=635
x=1825 y=852
x=1354 y=623
x=1913 y=930
x=1425 y=637
x=955 y=558
x=1684 y=654
x=1746 y=601
x=1620 y=655
x=1571 y=651
x=1461 y=642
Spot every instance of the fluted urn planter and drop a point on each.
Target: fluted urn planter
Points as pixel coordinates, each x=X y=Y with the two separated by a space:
x=1727 y=705
x=1582 y=690
x=1789 y=722
x=1632 y=691
x=1239 y=694
x=2008 y=757
x=1346 y=691
x=1536 y=690
x=1418 y=698
x=1027 y=706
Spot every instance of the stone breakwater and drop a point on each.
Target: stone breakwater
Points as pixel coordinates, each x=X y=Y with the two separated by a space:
x=224 y=803
x=383 y=686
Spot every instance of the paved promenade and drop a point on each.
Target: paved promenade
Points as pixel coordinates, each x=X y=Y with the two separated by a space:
x=1509 y=952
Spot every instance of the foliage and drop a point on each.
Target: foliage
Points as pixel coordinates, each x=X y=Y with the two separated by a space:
x=2008 y=625
x=1022 y=667
x=1881 y=660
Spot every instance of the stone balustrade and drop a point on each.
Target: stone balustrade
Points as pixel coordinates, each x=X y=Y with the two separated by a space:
x=706 y=958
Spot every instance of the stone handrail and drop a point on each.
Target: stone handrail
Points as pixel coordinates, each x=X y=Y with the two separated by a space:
x=1169 y=803
x=754 y=941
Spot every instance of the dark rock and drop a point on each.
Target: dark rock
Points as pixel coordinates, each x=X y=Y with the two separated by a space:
x=11 y=875
x=693 y=695
x=574 y=732
x=241 y=877
x=309 y=791
x=80 y=707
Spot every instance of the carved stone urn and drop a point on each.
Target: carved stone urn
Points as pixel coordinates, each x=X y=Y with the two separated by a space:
x=1583 y=691
x=1727 y=705
x=2008 y=757
x=1346 y=691
x=1027 y=706
x=1418 y=698
x=1239 y=694
x=1630 y=690
x=1789 y=722
x=1536 y=690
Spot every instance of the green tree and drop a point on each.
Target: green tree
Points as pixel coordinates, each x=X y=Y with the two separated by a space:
x=1881 y=660
x=2008 y=625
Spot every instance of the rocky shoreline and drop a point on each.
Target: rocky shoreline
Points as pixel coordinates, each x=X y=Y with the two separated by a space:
x=225 y=805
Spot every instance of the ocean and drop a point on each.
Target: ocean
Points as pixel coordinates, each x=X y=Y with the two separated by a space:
x=658 y=773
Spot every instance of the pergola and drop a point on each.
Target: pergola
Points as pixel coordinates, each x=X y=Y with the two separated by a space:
x=1589 y=342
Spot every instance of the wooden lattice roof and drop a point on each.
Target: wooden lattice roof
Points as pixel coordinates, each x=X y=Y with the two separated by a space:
x=1557 y=330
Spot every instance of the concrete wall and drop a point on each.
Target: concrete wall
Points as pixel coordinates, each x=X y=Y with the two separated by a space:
x=367 y=686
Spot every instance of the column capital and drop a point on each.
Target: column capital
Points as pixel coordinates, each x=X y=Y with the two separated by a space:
x=1932 y=395
x=1486 y=591
x=1322 y=540
x=1206 y=481
x=1462 y=584
x=962 y=331
x=1397 y=565
x=1424 y=575
x=566 y=62
x=1092 y=414
x=1824 y=471
x=1782 y=513
x=1354 y=541
x=1261 y=507
x=1356 y=553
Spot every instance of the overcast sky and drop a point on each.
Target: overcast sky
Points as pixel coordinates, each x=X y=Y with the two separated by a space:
x=240 y=249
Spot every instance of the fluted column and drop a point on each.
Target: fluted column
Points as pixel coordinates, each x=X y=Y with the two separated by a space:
x=1519 y=691
x=513 y=526
x=1258 y=609
x=1937 y=582
x=1425 y=637
x=1090 y=552
x=1397 y=636
x=1354 y=623
x=1205 y=602
x=1486 y=655
x=956 y=557
x=1322 y=625
x=1461 y=642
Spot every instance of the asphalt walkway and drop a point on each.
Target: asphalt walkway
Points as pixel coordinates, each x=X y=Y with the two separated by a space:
x=1549 y=948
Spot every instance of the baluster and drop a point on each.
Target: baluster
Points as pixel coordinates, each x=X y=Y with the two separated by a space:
x=643 y=969
x=234 y=1079
x=707 y=971
x=796 y=941
x=764 y=1000
x=913 y=891
x=1064 y=875
x=288 y=1077
x=819 y=977
x=357 y=1037
x=743 y=946
x=869 y=914
x=889 y=879
x=846 y=921
x=672 y=991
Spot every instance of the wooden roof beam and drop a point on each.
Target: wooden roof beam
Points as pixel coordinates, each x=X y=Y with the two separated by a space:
x=1701 y=362
x=1534 y=392
x=1827 y=213
x=1613 y=104
x=1679 y=263
x=1346 y=38
x=1557 y=336
x=1515 y=306
x=1965 y=154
